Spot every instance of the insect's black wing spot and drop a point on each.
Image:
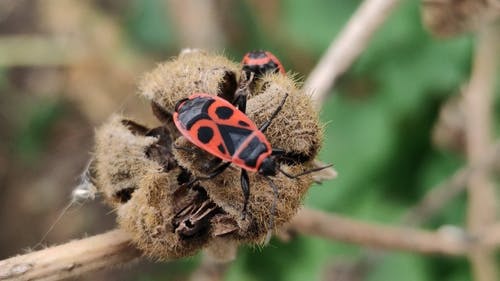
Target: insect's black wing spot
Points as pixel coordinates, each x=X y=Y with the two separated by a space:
x=205 y=134
x=257 y=54
x=261 y=69
x=221 y=148
x=270 y=67
x=194 y=110
x=243 y=123
x=252 y=152
x=233 y=137
x=224 y=112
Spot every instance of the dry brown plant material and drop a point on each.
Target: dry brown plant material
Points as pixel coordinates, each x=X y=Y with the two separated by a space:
x=449 y=132
x=143 y=172
x=446 y=18
x=192 y=72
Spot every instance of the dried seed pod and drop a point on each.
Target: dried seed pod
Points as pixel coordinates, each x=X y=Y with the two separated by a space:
x=192 y=72
x=135 y=172
x=145 y=179
x=120 y=160
x=446 y=18
x=149 y=217
x=296 y=128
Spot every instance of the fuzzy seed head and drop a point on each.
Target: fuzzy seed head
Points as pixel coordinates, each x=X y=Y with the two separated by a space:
x=192 y=72
x=144 y=172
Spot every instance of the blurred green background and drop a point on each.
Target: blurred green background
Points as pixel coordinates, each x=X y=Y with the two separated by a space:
x=66 y=65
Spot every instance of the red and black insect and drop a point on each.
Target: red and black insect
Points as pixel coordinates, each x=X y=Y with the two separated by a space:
x=261 y=62
x=218 y=127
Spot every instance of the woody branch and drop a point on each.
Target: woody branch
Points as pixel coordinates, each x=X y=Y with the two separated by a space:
x=344 y=50
x=113 y=248
x=478 y=103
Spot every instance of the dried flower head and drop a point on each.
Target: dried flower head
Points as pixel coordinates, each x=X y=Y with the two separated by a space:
x=192 y=72
x=144 y=173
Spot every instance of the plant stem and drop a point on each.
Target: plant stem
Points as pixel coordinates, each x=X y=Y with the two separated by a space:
x=478 y=104
x=71 y=259
x=352 y=40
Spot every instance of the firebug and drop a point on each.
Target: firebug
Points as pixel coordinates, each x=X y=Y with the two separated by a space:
x=261 y=62
x=225 y=131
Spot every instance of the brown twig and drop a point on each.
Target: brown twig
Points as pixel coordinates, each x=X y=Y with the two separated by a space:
x=113 y=248
x=334 y=227
x=34 y=50
x=216 y=260
x=71 y=259
x=478 y=120
x=431 y=203
x=210 y=270
x=188 y=16
x=491 y=237
x=440 y=195
x=347 y=46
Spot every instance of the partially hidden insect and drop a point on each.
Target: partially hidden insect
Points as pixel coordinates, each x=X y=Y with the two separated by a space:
x=218 y=127
x=261 y=62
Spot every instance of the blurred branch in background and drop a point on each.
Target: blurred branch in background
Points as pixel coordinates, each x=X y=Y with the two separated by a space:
x=210 y=270
x=446 y=18
x=216 y=260
x=343 y=51
x=101 y=39
x=188 y=25
x=429 y=206
x=478 y=102
x=440 y=195
x=213 y=268
x=36 y=50
x=338 y=228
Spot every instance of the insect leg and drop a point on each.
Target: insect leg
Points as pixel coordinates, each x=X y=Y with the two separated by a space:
x=278 y=152
x=289 y=158
x=273 y=209
x=245 y=187
x=241 y=102
x=165 y=117
x=242 y=92
x=217 y=171
x=160 y=113
x=187 y=149
x=275 y=113
x=134 y=127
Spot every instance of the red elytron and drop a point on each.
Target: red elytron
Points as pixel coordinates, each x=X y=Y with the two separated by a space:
x=216 y=126
x=260 y=62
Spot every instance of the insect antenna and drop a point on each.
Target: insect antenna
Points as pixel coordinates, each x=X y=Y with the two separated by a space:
x=273 y=210
x=303 y=173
